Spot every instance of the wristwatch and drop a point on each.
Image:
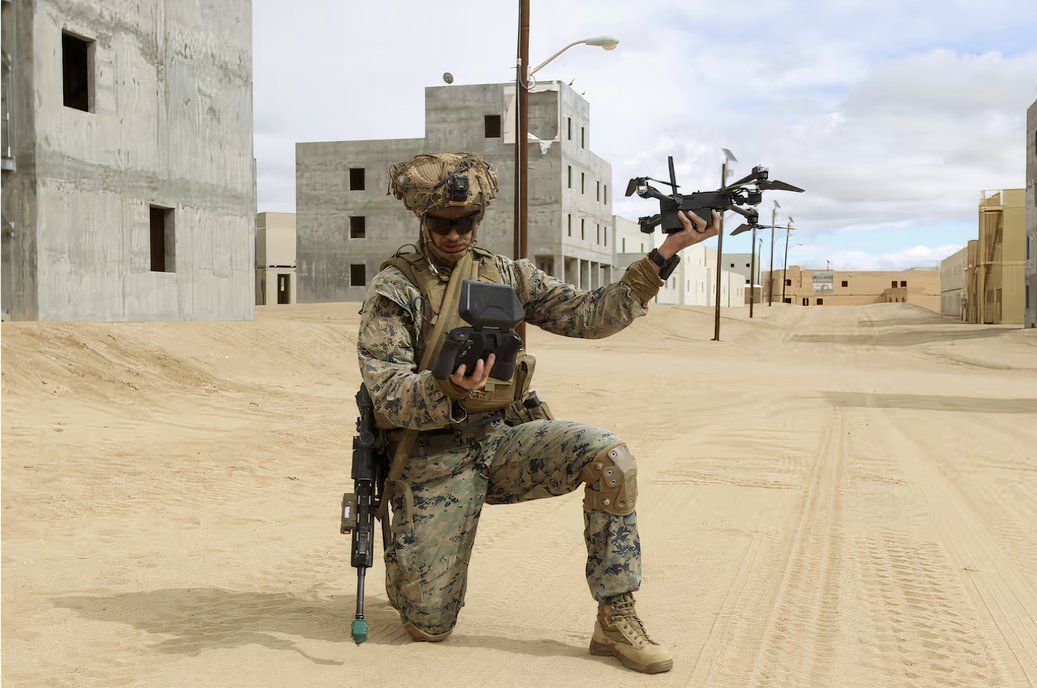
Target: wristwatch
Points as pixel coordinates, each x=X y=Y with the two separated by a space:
x=666 y=267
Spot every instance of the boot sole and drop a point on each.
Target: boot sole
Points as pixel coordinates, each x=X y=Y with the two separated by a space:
x=603 y=650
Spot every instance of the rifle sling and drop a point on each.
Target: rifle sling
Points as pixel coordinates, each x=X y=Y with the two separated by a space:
x=466 y=268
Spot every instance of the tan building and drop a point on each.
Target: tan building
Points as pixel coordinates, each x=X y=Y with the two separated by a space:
x=1001 y=257
x=275 y=258
x=969 y=307
x=920 y=286
x=952 y=284
x=1030 y=279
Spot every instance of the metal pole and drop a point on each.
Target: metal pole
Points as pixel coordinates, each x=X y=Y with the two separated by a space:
x=752 y=274
x=785 y=266
x=521 y=145
x=720 y=257
x=770 y=273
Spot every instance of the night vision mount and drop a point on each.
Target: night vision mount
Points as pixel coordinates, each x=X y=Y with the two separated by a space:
x=738 y=197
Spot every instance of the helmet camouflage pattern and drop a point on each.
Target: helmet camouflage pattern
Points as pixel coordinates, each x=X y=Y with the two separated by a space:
x=445 y=184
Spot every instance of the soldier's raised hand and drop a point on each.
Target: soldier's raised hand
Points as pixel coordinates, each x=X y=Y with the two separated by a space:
x=479 y=376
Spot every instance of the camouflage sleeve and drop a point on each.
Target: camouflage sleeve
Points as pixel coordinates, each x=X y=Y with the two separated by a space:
x=389 y=326
x=563 y=309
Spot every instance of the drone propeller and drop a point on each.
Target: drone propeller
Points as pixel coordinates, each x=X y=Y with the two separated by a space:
x=633 y=184
x=775 y=185
x=744 y=227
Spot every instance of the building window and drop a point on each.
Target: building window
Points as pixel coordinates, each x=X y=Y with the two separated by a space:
x=569 y=183
x=583 y=184
x=893 y=284
x=491 y=124
x=606 y=235
x=747 y=265
x=162 y=242
x=570 y=224
x=582 y=226
x=903 y=283
x=820 y=302
x=845 y=283
x=569 y=127
x=77 y=57
x=605 y=194
x=732 y=265
x=597 y=190
x=583 y=137
x=806 y=301
x=358 y=227
x=623 y=243
x=788 y=299
x=356 y=178
x=597 y=233
x=357 y=275
x=788 y=283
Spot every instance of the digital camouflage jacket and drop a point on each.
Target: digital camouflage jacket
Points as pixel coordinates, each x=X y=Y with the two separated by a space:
x=390 y=340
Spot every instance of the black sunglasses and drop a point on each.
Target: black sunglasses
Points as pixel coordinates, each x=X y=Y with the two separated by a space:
x=444 y=225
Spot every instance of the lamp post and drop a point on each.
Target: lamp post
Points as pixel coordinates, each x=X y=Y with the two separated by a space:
x=728 y=157
x=785 y=266
x=770 y=274
x=523 y=77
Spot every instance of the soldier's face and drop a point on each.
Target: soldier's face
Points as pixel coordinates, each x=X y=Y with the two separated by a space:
x=453 y=242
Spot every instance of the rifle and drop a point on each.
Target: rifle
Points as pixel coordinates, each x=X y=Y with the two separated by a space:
x=360 y=506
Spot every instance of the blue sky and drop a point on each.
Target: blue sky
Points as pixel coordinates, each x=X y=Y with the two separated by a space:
x=893 y=115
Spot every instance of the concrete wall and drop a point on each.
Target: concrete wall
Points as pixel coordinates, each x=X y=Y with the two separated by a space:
x=170 y=124
x=1030 y=269
x=952 y=283
x=454 y=121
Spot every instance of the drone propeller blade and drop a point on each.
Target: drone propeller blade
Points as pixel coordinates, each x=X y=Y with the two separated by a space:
x=673 y=176
x=632 y=186
x=747 y=179
x=744 y=227
x=775 y=185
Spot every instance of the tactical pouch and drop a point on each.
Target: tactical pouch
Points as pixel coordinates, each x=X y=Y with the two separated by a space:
x=518 y=412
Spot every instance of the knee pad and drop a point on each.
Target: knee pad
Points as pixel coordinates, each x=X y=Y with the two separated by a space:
x=611 y=479
x=424 y=636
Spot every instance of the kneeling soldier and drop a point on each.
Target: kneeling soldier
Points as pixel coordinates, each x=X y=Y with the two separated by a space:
x=471 y=439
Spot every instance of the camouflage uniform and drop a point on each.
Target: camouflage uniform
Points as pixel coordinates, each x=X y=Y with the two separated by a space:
x=435 y=520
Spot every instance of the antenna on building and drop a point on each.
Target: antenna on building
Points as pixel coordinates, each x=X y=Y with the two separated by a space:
x=448 y=77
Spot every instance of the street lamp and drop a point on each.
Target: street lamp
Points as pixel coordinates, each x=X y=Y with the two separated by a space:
x=523 y=76
x=785 y=267
x=728 y=157
x=770 y=275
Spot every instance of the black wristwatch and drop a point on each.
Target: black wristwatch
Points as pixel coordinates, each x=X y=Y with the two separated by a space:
x=666 y=267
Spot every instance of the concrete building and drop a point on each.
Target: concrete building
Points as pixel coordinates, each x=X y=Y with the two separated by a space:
x=128 y=175
x=692 y=282
x=1001 y=252
x=952 y=284
x=275 y=259
x=805 y=287
x=347 y=225
x=1030 y=270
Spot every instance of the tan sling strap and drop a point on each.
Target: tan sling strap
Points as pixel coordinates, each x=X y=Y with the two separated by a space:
x=466 y=268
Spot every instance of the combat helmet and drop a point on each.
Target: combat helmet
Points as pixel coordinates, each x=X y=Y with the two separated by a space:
x=445 y=184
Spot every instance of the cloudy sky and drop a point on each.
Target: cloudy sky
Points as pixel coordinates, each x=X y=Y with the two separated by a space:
x=893 y=115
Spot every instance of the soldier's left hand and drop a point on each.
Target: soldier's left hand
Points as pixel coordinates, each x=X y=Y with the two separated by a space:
x=479 y=376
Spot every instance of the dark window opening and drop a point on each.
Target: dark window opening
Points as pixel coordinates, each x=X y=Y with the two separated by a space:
x=356 y=178
x=806 y=302
x=569 y=127
x=820 y=302
x=283 y=295
x=162 y=240
x=597 y=234
x=582 y=226
x=732 y=264
x=358 y=227
x=492 y=126
x=845 y=283
x=788 y=283
x=583 y=137
x=570 y=225
x=76 y=56
x=569 y=183
x=597 y=191
x=788 y=299
x=583 y=182
x=903 y=283
x=605 y=194
x=357 y=275
x=606 y=235
x=893 y=284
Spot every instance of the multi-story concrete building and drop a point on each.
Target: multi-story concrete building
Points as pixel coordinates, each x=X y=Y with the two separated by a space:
x=128 y=175
x=692 y=282
x=952 y=284
x=805 y=287
x=1030 y=277
x=275 y=259
x=347 y=225
x=1000 y=294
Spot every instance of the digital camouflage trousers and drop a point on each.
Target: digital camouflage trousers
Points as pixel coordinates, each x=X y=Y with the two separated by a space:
x=433 y=527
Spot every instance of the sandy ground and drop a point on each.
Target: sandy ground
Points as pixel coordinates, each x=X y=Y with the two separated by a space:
x=828 y=497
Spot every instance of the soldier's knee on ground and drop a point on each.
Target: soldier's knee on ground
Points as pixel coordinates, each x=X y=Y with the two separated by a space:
x=426 y=637
x=611 y=481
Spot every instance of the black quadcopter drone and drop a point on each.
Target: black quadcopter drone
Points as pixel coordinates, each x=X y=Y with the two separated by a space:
x=747 y=191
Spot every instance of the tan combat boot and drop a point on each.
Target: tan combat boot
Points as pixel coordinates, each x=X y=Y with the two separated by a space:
x=619 y=633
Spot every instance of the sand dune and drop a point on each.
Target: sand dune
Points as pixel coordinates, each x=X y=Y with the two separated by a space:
x=828 y=497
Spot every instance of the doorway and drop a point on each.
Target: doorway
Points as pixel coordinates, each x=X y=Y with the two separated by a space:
x=283 y=282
